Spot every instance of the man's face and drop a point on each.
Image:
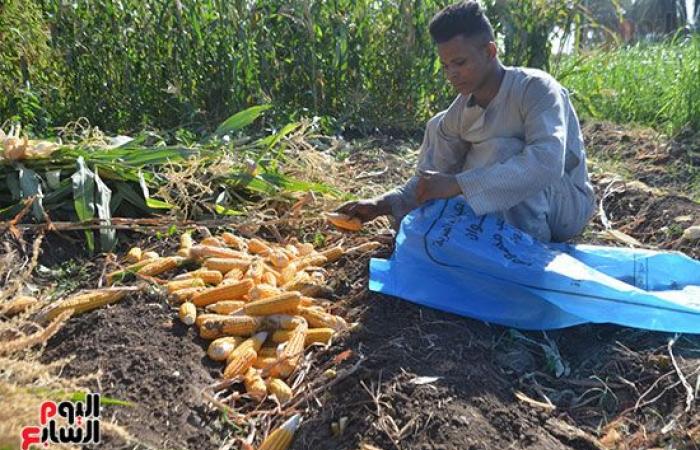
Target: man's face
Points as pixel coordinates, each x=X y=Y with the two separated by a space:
x=466 y=62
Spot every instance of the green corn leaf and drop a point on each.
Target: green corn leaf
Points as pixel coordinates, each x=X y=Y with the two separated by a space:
x=30 y=185
x=241 y=119
x=103 y=196
x=84 y=197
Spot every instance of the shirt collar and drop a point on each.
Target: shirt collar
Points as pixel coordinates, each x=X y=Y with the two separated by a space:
x=505 y=85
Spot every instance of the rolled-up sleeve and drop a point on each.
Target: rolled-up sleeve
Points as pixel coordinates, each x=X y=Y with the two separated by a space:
x=541 y=163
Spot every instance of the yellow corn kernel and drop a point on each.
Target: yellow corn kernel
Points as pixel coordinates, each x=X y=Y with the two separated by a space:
x=225 y=307
x=343 y=221
x=314 y=260
x=313 y=336
x=188 y=313
x=184 y=284
x=254 y=385
x=299 y=278
x=233 y=291
x=232 y=240
x=256 y=270
x=87 y=301
x=279 y=389
x=263 y=291
x=282 y=303
x=211 y=240
x=210 y=251
x=281 y=438
x=278 y=259
x=220 y=348
x=269 y=278
x=225 y=265
x=258 y=247
x=333 y=254
x=288 y=274
x=321 y=319
x=307 y=301
x=17 y=305
x=134 y=255
x=228 y=326
x=149 y=255
x=184 y=253
x=184 y=294
x=233 y=274
x=208 y=276
x=159 y=266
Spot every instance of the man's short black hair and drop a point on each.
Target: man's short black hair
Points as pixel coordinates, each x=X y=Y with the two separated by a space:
x=465 y=18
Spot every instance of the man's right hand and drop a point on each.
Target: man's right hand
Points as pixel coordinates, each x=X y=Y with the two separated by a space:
x=365 y=210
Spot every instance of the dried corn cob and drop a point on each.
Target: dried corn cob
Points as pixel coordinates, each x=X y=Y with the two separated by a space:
x=184 y=294
x=209 y=316
x=282 y=321
x=17 y=305
x=232 y=240
x=263 y=291
x=279 y=389
x=268 y=352
x=333 y=254
x=160 y=265
x=184 y=284
x=228 y=326
x=225 y=307
x=344 y=221
x=87 y=301
x=265 y=362
x=282 y=303
x=320 y=319
x=292 y=251
x=256 y=270
x=243 y=356
x=314 y=260
x=186 y=240
x=305 y=249
x=208 y=276
x=269 y=278
x=299 y=278
x=210 y=251
x=281 y=438
x=220 y=348
x=293 y=350
x=233 y=291
x=258 y=247
x=188 y=313
x=254 y=385
x=313 y=336
x=225 y=265
x=211 y=240
x=233 y=274
x=278 y=259
x=149 y=255
x=134 y=255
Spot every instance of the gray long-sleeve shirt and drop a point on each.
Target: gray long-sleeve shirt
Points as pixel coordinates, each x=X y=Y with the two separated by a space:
x=524 y=141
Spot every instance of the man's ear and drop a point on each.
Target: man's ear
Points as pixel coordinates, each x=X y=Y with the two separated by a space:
x=491 y=50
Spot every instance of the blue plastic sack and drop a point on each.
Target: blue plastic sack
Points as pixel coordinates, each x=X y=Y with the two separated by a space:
x=448 y=258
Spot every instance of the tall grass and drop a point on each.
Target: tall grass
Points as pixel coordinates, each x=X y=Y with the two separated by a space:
x=651 y=84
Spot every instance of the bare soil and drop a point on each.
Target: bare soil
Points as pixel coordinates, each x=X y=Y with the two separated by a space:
x=424 y=379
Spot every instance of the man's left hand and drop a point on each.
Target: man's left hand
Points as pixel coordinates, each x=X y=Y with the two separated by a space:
x=434 y=185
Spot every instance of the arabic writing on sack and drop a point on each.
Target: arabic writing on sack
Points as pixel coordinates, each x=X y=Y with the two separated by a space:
x=83 y=423
x=502 y=237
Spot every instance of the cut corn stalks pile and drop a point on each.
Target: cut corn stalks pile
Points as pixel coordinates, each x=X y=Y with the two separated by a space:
x=256 y=302
x=14 y=146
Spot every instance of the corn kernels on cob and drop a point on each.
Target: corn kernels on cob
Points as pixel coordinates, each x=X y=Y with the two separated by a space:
x=292 y=352
x=243 y=356
x=209 y=316
x=225 y=265
x=267 y=352
x=233 y=274
x=184 y=294
x=220 y=348
x=282 y=303
x=232 y=240
x=228 y=326
x=305 y=249
x=282 y=321
x=256 y=269
x=233 y=291
x=321 y=319
x=278 y=259
x=213 y=241
x=263 y=291
x=333 y=254
x=17 y=305
x=225 y=307
x=265 y=362
x=158 y=266
x=281 y=438
x=149 y=255
x=269 y=279
x=313 y=336
x=188 y=313
x=87 y=301
x=258 y=247
x=186 y=240
x=179 y=285
x=279 y=389
x=210 y=251
x=208 y=276
x=255 y=386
